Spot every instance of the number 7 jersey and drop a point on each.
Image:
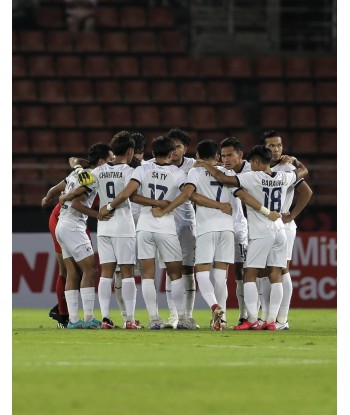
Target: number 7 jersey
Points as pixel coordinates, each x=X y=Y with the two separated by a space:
x=270 y=190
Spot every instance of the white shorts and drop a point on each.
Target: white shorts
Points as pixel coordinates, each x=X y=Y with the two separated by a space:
x=215 y=246
x=119 y=250
x=168 y=246
x=187 y=238
x=241 y=242
x=74 y=242
x=291 y=234
x=270 y=251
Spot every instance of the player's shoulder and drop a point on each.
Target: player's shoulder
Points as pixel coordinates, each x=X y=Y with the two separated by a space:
x=286 y=167
x=187 y=164
x=246 y=167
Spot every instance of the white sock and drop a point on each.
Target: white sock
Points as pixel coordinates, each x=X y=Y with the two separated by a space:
x=282 y=316
x=275 y=301
x=129 y=294
x=178 y=291
x=251 y=300
x=118 y=294
x=190 y=293
x=220 y=286
x=240 y=299
x=104 y=295
x=257 y=281
x=169 y=298
x=206 y=288
x=72 y=298
x=265 y=290
x=150 y=296
x=88 y=300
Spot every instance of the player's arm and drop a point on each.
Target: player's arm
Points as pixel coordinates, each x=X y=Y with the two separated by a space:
x=76 y=162
x=147 y=201
x=78 y=205
x=217 y=174
x=304 y=193
x=202 y=200
x=186 y=193
x=54 y=191
x=249 y=200
x=301 y=171
x=72 y=194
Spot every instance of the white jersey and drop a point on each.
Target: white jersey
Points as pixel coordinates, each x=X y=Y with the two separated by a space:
x=110 y=180
x=209 y=219
x=158 y=182
x=239 y=220
x=67 y=213
x=270 y=191
x=290 y=192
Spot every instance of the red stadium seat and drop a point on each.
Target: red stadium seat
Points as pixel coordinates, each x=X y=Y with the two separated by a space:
x=304 y=143
x=97 y=66
x=19 y=66
x=72 y=142
x=62 y=116
x=24 y=90
x=108 y=91
x=220 y=91
x=69 y=66
x=126 y=67
x=298 y=67
x=33 y=193
x=248 y=140
x=175 y=116
x=182 y=67
x=274 y=117
x=20 y=142
x=300 y=92
x=203 y=118
x=58 y=170
x=326 y=92
x=118 y=117
x=269 y=67
x=146 y=117
x=328 y=142
x=90 y=116
x=210 y=67
x=33 y=116
x=232 y=117
x=164 y=91
x=325 y=67
x=60 y=41
x=52 y=91
x=171 y=42
x=192 y=92
x=327 y=170
x=41 y=66
x=272 y=92
x=87 y=42
x=107 y=17
x=303 y=117
x=115 y=42
x=44 y=142
x=132 y=17
x=50 y=17
x=25 y=169
x=154 y=67
x=238 y=67
x=159 y=18
x=328 y=117
x=32 y=41
x=79 y=91
x=95 y=136
x=136 y=91
x=143 y=41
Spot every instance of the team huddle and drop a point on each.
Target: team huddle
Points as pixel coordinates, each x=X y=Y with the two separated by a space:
x=187 y=215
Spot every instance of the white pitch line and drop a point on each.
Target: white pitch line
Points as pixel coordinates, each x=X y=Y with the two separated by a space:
x=232 y=346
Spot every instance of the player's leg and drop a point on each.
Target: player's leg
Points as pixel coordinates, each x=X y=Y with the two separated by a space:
x=118 y=292
x=72 y=294
x=240 y=254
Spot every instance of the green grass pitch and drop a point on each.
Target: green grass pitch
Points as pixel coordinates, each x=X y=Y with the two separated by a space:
x=170 y=372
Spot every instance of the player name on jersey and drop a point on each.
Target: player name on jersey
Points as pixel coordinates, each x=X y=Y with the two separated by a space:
x=272 y=183
x=110 y=175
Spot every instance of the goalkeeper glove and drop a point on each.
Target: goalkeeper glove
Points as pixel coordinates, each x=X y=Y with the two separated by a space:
x=85 y=178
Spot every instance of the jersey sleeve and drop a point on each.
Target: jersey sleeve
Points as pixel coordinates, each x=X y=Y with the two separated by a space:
x=181 y=178
x=137 y=174
x=245 y=179
x=192 y=177
x=128 y=175
x=291 y=178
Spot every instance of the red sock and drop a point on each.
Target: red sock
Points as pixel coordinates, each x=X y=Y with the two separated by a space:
x=60 y=286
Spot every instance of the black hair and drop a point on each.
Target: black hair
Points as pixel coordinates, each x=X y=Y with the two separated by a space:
x=162 y=146
x=268 y=134
x=231 y=142
x=260 y=152
x=121 y=143
x=207 y=149
x=98 y=151
x=140 y=142
x=135 y=163
x=177 y=134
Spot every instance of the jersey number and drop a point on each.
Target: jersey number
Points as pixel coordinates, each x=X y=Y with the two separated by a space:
x=272 y=199
x=220 y=186
x=110 y=190
x=163 y=190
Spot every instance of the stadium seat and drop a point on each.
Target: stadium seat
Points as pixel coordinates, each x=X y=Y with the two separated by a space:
x=203 y=117
x=192 y=91
x=146 y=116
x=328 y=142
x=327 y=170
x=220 y=91
x=303 y=117
x=272 y=92
x=328 y=117
x=182 y=67
x=97 y=66
x=238 y=67
x=107 y=17
x=231 y=117
x=300 y=92
x=118 y=117
x=69 y=66
x=164 y=91
x=175 y=116
x=44 y=141
x=59 y=41
x=132 y=17
x=62 y=116
x=33 y=193
x=107 y=91
x=15 y=117
x=247 y=138
x=20 y=142
x=304 y=142
x=57 y=171
x=41 y=66
x=115 y=42
x=72 y=142
x=210 y=67
x=79 y=91
x=273 y=117
x=95 y=136
x=269 y=67
x=17 y=199
x=19 y=66
x=25 y=169
x=325 y=67
x=24 y=90
x=126 y=67
x=50 y=17
x=154 y=67
x=33 y=116
x=149 y=136
x=32 y=41
x=143 y=41
x=52 y=91
x=135 y=91
x=171 y=42
x=216 y=135
x=90 y=116
x=326 y=92
x=298 y=67
x=87 y=42
x=160 y=17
